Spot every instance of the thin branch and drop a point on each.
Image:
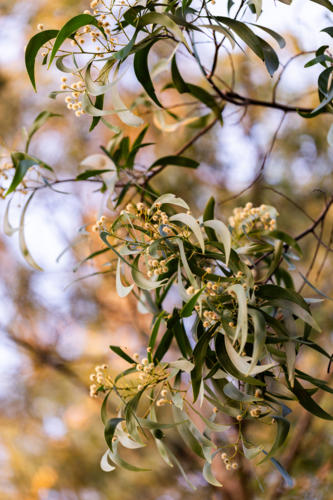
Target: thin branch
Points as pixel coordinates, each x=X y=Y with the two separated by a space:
x=262 y=165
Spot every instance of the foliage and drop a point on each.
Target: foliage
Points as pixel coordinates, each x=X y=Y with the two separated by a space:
x=249 y=322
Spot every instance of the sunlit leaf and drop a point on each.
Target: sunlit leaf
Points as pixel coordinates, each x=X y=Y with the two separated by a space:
x=283 y=426
x=190 y=221
x=23 y=246
x=223 y=233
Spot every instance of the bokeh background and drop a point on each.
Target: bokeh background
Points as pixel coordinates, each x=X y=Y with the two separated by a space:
x=51 y=436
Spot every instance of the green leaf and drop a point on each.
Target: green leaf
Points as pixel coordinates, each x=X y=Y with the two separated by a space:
x=226 y=363
x=174 y=459
x=232 y=392
x=188 y=308
x=150 y=424
x=141 y=281
x=278 y=389
x=280 y=235
x=224 y=408
x=208 y=215
x=314 y=288
x=197 y=92
x=172 y=200
x=186 y=434
x=21 y=168
x=35 y=43
x=185 y=297
x=207 y=472
x=221 y=30
x=191 y=222
x=38 y=123
x=114 y=456
x=180 y=161
x=163 y=346
x=129 y=371
x=245 y=33
x=91 y=173
x=253 y=452
x=308 y=403
x=96 y=89
x=122 y=290
x=118 y=350
x=8 y=229
x=99 y=103
x=199 y=355
x=104 y=414
x=60 y=65
x=104 y=235
x=182 y=340
x=296 y=310
x=70 y=27
x=182 y=364
x=110 y=428
x=142 y=72
x=278 y=248
x=272 y=62
x=104 y=464
x=324 y=3
x=92 y=110
x=280 y=468
x=131 y=418
x=23 y=246
x=223 y=233
x=280 y=40
x=259 y=337
x=283 y=426
x=241 y=327
x=154 y=333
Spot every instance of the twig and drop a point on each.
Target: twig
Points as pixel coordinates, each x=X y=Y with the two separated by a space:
x=262 y=165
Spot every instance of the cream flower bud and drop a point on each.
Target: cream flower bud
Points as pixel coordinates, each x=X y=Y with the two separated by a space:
x=40 y=26
x=144 y=361
x=164 y=392
x=139 y=367
x=140 y=387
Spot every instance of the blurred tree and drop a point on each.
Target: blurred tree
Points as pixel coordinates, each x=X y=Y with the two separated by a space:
x=53 y=440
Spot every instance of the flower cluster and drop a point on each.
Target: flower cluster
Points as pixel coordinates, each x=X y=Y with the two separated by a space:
x=249 y=217
x=229 y=465
x=239 y=356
